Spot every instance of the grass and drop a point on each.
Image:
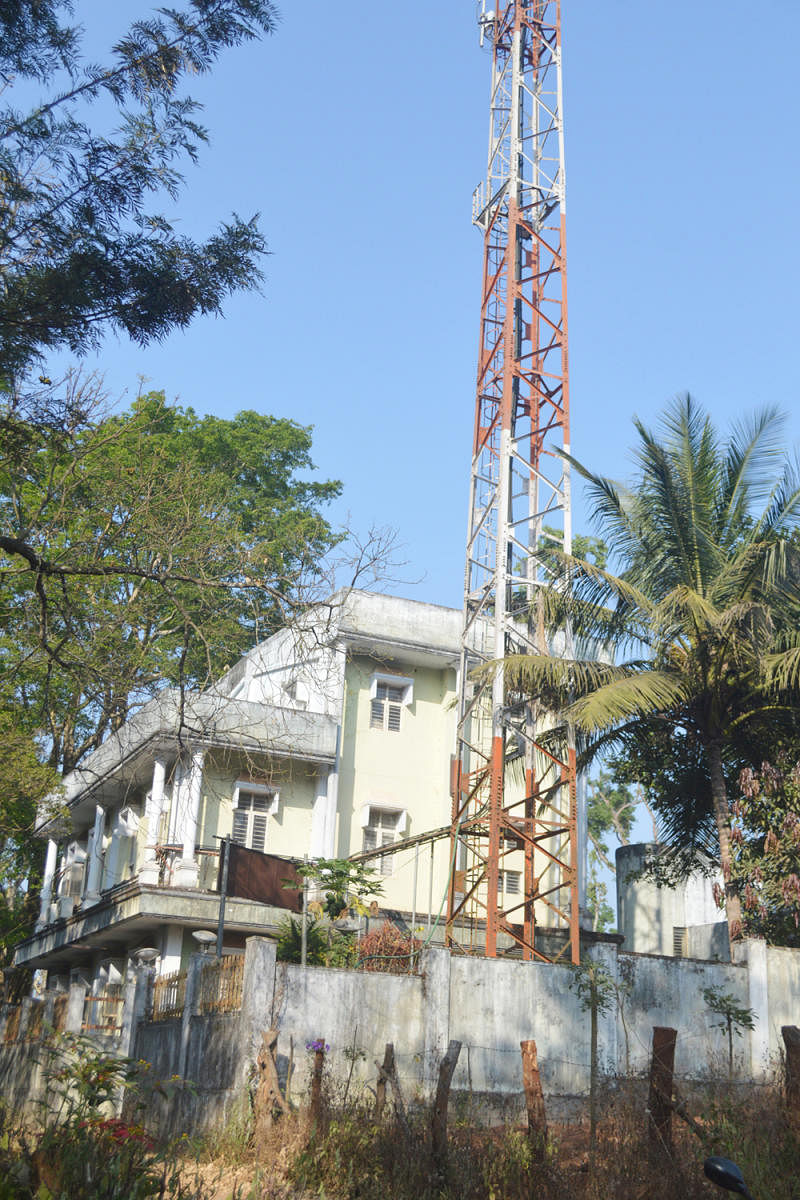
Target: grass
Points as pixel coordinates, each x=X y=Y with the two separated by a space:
x=78 y=1152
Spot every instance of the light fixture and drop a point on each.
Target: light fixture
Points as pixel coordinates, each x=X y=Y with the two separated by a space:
x=146 y=954
x=204 y=938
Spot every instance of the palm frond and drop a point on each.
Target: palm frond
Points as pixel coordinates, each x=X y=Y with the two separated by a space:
x=638 y=694
x=748 y=470
x=782 y=669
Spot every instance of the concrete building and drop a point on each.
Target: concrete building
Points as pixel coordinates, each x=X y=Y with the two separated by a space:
x=330 y=738
x=683 y=920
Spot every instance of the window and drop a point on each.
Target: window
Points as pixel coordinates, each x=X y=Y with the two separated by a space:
x=385 y=708
x=252 y=804
x=509 y=882
x=381 y=830
x=388 y=695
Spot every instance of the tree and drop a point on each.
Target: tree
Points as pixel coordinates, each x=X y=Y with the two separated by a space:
x=344 y=884
x=25 y=783
x=766 y=850
x=705 y=605
x=610 y=808
x=82 y=246
x=145 y=548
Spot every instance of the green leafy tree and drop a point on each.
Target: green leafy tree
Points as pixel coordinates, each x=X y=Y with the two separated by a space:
x=703 y=612
x=344 y=884
x=766 y=851
x=84 y=246
x=596 y=990
x=145 y=548
x=735 y=1017
x=25 y=783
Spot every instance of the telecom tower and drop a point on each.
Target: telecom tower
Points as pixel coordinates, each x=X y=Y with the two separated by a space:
x=514 y=837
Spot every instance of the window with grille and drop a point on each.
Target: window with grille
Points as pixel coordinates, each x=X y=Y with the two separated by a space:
x=509 y=882
x=250 y=819
x=381 y=830
x=385 y=707
x=680 y=941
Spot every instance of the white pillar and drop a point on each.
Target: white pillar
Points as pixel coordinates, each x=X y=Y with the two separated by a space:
x=171 y=947
x=47 y=884
x=149 y=870
x=323 y=818
x=111 y=865
x=186 y=873
x=95 y=856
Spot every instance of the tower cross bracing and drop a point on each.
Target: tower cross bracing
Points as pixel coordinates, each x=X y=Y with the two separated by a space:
x=514 y=800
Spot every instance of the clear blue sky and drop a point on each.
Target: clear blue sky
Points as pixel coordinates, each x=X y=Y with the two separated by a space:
x=359 y=132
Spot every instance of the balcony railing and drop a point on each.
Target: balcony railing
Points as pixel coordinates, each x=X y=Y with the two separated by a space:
x=170 y=856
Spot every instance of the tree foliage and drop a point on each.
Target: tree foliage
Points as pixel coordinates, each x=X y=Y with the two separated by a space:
x=610 y=808
x=703 y=614
x=344 y=884
x=145 y=548
x=83 y=245
x=766 y=851
x=25 y=783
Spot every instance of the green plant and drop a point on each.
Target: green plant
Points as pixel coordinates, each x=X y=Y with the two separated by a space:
x=596 y=990
x=325 y=946
x=735 y=1017
x=80 y=1149
x=344 y=884
x=290 y=941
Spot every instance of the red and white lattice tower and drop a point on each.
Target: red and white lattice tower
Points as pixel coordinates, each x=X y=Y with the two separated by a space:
x=514 y=827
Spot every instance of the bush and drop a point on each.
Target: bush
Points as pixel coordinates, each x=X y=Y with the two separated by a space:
x=387 y=949
x=79 y=1151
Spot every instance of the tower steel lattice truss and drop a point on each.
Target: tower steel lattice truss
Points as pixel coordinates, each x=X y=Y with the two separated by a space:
x=514 y=823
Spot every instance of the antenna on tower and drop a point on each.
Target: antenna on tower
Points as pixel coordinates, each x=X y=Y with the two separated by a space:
x=514 y=833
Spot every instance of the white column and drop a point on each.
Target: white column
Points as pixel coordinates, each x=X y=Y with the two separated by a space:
x=323 y=818
x=148 y=872
x=186 y=873
x=111 y=865
x=95 y=857
x=171 y=947
x=47 y=884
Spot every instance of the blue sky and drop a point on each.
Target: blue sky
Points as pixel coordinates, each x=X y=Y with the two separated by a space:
x=359 y=132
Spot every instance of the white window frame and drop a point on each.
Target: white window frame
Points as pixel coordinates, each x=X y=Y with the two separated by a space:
x=258 y=789
x=385 y=861
x=403 y=683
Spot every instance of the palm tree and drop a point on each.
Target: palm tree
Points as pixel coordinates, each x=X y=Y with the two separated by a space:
x=702 y=618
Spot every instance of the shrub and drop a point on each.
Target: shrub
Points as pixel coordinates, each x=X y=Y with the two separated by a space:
x=387 y=949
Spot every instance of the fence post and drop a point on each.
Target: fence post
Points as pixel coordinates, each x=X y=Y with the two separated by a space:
x=791 y=1040
x=134 y=1008
x=384 y=1072
x=316 y=1084
x=191 y=995
x=659 y=1105
x=534 y=1099
x=24 y=1017
x=73 y=1022
x=439 y=1118
x=258 y=997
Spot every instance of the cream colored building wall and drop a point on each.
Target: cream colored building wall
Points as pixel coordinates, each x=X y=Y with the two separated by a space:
x=288 y=830
x=406 y=770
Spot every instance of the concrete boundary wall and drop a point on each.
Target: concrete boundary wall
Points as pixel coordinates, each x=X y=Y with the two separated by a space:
x=489 y=1005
